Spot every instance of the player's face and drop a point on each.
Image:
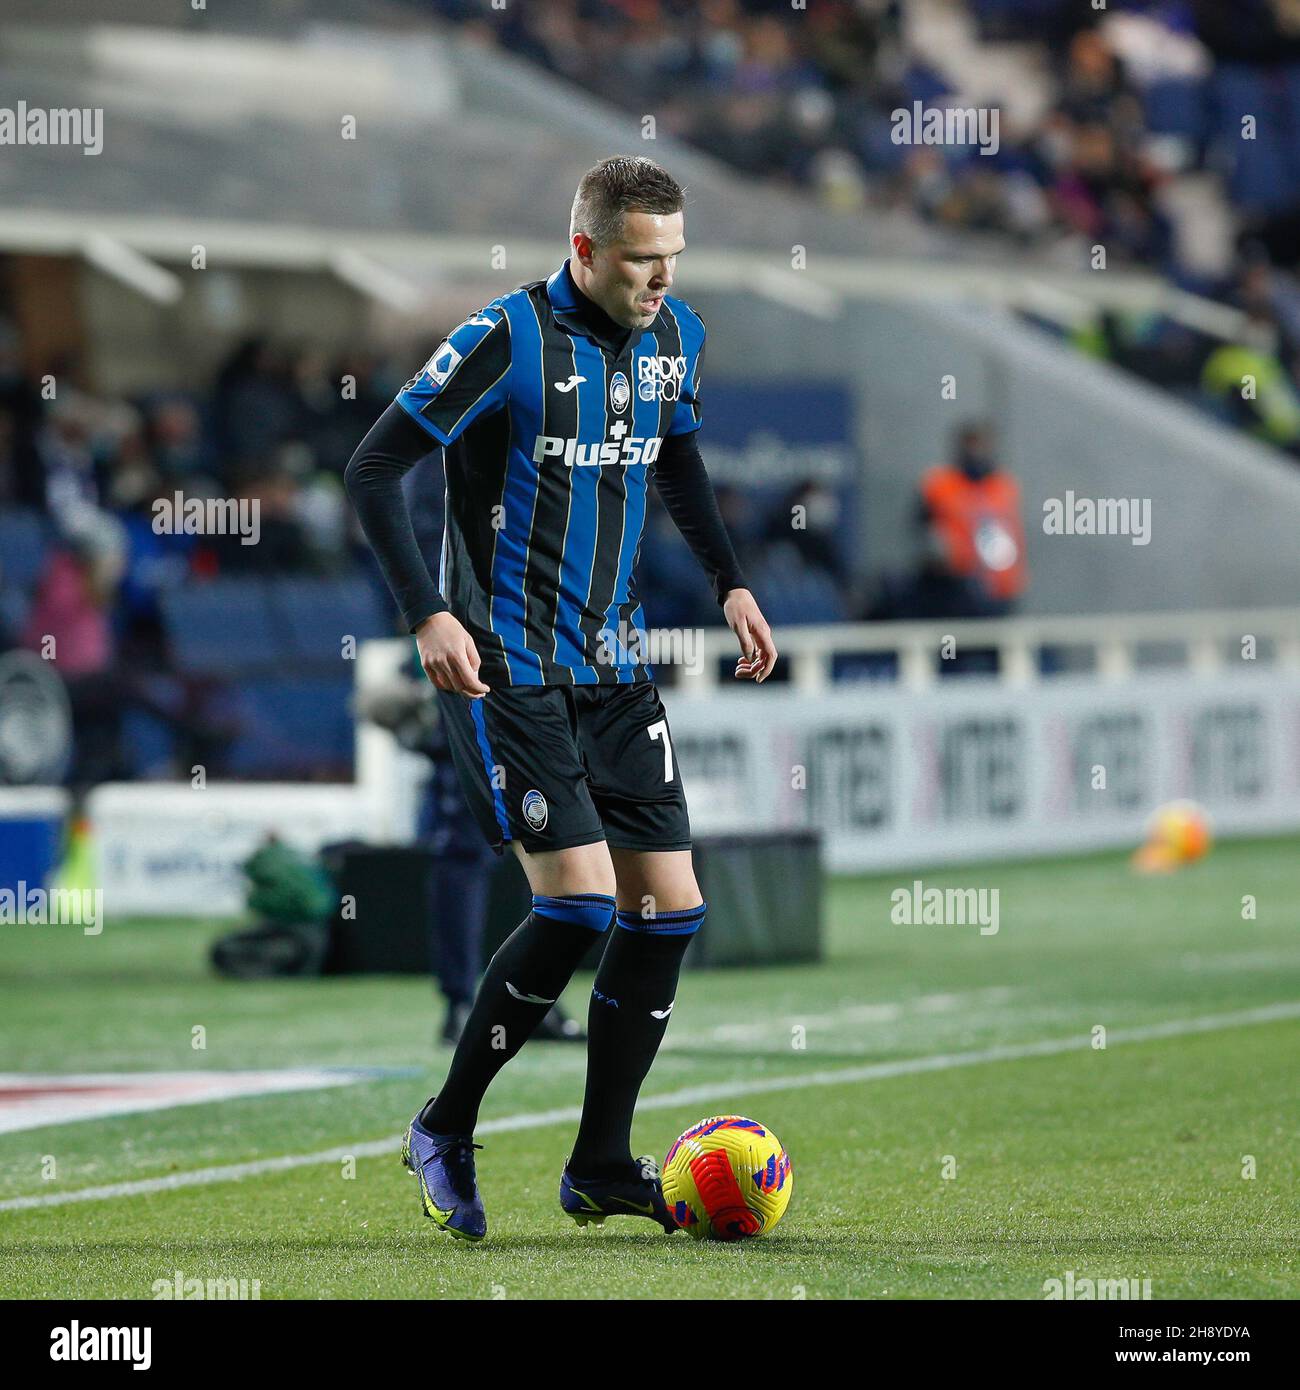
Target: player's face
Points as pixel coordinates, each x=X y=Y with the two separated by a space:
x=630 y=277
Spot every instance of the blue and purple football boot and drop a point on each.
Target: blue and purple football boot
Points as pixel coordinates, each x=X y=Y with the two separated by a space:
x=444 y=1164
x=593 y=1200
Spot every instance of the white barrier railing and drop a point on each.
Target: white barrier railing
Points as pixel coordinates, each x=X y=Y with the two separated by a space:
x=1113 y=640
x=1211 y=642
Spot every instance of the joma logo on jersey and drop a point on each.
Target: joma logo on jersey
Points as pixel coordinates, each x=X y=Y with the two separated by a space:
x=661 y=377
x=610 y=451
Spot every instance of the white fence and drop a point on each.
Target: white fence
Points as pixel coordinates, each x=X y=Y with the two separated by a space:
x=977 y=770
x=896 y=774
x=1211 y=643
x=917 y=771
x=928 y=770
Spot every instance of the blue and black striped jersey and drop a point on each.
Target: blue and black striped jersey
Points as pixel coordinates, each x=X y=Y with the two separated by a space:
x=550 y=434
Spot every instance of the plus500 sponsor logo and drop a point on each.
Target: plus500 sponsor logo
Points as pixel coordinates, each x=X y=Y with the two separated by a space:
x=612 y=451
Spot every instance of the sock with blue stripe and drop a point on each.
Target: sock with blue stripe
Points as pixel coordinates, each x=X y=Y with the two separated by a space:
x=631 y=1003
x=525 y=977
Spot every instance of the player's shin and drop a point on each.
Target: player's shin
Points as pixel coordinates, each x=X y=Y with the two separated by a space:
x=523 y=980
x=631 y=1003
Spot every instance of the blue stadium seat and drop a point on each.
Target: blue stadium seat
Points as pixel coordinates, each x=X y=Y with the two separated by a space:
x=864 y=666
x=1290 y=99
x=1259 y=171
x=148 y=743
x=821 y=599
x=293 y=727
x=22 y=548
x=792 y=593
x=313 y=617
x=1022 y=18
x=15 y=605
x=1178 y=106
x=223 y=627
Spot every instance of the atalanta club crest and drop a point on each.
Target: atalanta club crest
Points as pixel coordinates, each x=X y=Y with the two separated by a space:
x=620 y=393
x=535 y=809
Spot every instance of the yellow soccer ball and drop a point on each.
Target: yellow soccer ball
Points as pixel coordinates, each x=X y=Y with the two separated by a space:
x=727 y=1178
x=1178 y=833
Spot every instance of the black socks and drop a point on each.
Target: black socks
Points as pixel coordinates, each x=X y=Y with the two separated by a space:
x=525 y=977
x=631 y=1003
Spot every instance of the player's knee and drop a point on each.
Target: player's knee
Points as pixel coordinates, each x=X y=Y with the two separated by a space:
x=566 y=872
x=676 y=892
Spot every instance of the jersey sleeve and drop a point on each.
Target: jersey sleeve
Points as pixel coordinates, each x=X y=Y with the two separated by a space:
x=689 y=498
x=467 y=376
x=686 y=414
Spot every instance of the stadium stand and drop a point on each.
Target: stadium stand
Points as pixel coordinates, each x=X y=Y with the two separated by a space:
x=1131 y=135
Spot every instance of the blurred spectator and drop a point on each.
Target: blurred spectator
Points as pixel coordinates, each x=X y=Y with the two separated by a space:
x=1105 y=193
x=971 y=507
x=972 y=542
x=276 y=541
x=71 y=625
x=809 y=519
x=253 y=403
x=22 y=482
x=178 y=449
x=929 y=591
x=1138 y=148
x=1249 y=382
x=71 y=618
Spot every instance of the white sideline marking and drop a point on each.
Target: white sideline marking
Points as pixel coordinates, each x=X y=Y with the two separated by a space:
x=31 y=1100
x=777 y=1030
x=714 y=1093
x=1241 y=960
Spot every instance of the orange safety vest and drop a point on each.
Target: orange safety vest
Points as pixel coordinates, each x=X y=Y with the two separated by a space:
x=980 y=527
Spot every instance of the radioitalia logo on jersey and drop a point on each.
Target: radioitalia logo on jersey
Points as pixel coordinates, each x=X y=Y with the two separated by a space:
x=660 y=378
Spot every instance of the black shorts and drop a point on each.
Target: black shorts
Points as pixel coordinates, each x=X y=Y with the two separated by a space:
x=559 y=765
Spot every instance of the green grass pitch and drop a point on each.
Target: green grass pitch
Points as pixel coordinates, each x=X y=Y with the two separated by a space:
x=954 y=1131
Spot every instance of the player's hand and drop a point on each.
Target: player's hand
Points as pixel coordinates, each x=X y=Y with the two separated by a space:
x=757 y=650
x=449 y=656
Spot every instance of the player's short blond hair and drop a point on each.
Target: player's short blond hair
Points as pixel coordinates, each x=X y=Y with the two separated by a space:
x=617 y=186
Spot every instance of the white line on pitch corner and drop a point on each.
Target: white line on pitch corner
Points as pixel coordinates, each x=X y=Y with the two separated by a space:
x=777 y=1029
x=707 y=1094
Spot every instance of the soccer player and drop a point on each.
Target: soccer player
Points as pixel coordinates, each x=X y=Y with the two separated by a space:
x=555 y=405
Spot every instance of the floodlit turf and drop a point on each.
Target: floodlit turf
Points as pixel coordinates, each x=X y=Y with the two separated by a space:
x=1119 y=1163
